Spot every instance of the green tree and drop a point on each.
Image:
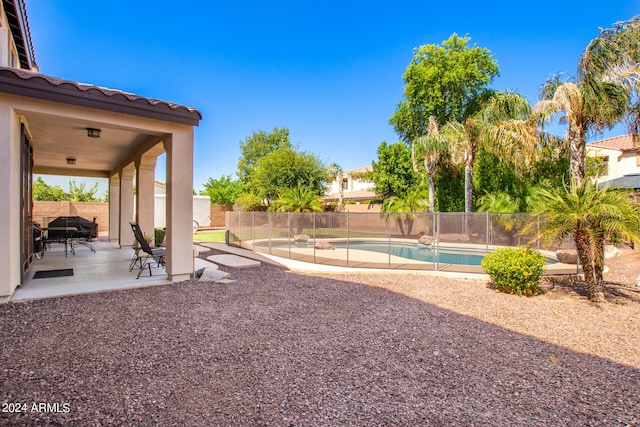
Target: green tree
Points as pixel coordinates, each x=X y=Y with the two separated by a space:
x=45 y=192
x=592 y=215
x=223 y=191
x=258 y=145
x=441 y=81
x=78 y=193
x=402 y=209
x=393 y=174
x=284 y=169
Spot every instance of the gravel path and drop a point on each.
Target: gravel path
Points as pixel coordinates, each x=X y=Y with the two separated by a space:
x=280 y=348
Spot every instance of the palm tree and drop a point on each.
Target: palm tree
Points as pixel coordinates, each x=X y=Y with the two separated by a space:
x=298 y=199
x=604 y=92
x=434 y=146
x=335 y=172
x=402 y=209
x=567 y=96
x=481 y=128
x=592 y=215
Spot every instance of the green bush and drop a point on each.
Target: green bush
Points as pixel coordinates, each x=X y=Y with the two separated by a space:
x=515 y=270
x=159 y=236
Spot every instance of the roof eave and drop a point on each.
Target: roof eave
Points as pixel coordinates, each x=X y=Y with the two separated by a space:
x=39 y=87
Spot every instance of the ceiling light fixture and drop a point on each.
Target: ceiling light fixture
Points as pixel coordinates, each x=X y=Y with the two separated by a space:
x=93 y=133
x=71 y=160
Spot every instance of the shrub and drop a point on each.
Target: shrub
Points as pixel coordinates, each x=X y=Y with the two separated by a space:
x=515 y=270
x=158 y=236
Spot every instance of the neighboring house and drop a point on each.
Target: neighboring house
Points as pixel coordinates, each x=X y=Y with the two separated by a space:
x=352 y=186
x=61 y=127
x=619 y=160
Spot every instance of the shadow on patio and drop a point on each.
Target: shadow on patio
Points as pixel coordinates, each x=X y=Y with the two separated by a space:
x=106 y=269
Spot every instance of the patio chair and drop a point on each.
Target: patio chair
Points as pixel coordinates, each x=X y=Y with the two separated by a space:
x=155 y=254
x=84 y=237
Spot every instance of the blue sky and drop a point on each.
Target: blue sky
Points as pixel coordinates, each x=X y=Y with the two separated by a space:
x=329 y=71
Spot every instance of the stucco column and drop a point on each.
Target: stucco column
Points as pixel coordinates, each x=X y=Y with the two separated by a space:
x=10 y=243
x=179 y=149
x=145 y=172
x=126 y=205
x=114 y=207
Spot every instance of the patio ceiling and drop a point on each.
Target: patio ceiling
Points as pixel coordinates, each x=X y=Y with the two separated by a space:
x=57 y=135
x=56 y=138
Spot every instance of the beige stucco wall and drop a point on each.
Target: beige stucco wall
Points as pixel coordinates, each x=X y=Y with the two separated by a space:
x=4 y=38
x=10 y=267
x=620 y=163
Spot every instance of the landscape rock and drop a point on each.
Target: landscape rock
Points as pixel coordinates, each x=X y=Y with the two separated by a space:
x=567 y=256
x=301 y=238
x=322 y=244
x=212 y=275
x=610 y=251
x=426 y=240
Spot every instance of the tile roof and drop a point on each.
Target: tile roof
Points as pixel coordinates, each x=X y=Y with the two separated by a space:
x=621 y=143
x=35 y=85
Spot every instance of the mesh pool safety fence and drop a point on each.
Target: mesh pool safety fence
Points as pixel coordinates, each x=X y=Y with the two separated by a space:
x=410 y=241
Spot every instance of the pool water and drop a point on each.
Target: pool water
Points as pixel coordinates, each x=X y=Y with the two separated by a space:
x=417 y=252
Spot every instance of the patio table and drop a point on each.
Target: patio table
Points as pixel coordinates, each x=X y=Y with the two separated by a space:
x=66 y=235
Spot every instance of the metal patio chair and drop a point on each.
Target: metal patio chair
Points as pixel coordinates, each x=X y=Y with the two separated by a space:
x=151 y=255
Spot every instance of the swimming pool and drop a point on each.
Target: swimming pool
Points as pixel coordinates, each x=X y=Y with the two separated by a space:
x=441 y=255
x=417 y=252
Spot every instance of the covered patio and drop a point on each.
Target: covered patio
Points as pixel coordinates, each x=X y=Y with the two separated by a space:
x=60 y=127
x=106 y=269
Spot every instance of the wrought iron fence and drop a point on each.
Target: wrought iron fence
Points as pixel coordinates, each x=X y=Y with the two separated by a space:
x=411 y=241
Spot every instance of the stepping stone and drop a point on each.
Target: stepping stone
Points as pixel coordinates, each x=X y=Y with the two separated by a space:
x=234 y=261
x=201 y=263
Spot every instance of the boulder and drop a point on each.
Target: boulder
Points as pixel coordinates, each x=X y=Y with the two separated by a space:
x=212 y=275
x=567 y=256
x=322 y=244
x=302 y=238
x=610 y=251
x=638 y=281
x=426 y=240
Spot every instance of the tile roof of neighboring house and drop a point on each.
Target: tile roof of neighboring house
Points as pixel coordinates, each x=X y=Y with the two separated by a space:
x=16 y=12
x=360 y=170
x=621 y=143
x=35 y=85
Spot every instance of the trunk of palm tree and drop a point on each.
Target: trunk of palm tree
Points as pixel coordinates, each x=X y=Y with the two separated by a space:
x=598 y=264
x=468 y=186
x=578 y=141
x=586 y=255
x=400 y=224
x=432 y=189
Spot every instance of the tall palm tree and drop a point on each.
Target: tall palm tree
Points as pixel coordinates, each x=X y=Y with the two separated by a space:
x=614 y=58
x=335 y=172
x=592 y=215
x=481 y=128
x=567 y=96
x=604 y=92
x=435 y=147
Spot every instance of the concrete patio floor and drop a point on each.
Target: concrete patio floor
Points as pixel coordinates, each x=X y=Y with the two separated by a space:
x=106 y=269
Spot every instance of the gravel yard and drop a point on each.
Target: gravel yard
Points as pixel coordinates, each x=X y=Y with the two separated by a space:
x=282 y=348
